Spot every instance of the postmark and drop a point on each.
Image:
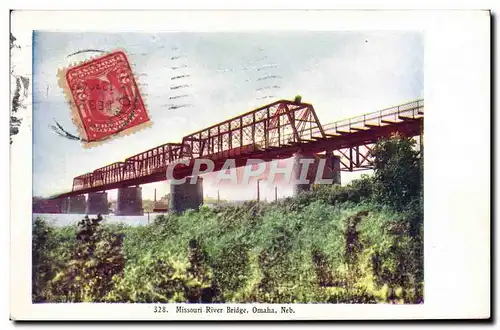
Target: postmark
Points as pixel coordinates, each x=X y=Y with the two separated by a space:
x=104 y=98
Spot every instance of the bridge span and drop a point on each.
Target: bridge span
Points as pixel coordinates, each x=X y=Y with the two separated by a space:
x=278 y=130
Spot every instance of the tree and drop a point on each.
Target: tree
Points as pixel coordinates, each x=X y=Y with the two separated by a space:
x=397 y=171
x=43 y=268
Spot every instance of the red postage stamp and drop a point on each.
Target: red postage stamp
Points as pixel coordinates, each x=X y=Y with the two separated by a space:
x=104 y=97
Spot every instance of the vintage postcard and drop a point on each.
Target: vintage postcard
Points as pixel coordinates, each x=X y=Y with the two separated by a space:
x=213 y=173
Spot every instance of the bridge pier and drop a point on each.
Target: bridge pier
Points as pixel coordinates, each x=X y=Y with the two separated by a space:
x=64 y=204
x=186 y=196
x=77 y=204
x=129 y=201
x=335 y=166
x=331 y=170
x=97 y=203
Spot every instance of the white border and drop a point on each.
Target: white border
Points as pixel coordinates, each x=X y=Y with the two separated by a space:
x=457 y=163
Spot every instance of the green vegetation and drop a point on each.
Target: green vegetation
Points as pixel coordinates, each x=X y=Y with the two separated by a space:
x=362 y=243
x=213 y=200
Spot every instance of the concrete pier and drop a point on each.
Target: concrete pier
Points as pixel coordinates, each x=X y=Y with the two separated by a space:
x=64 y=204
x=335 y=165
x=77 y=204
x=186 y=196
x=331 y=170
x=129 y=201
x=97 y=203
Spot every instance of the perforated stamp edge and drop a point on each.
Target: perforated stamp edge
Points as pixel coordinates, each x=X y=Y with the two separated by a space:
x=75 y=115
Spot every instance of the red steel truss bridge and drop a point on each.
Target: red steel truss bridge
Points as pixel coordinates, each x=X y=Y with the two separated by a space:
x=274 y=131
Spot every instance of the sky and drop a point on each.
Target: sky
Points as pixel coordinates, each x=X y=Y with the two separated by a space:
x=342 y=74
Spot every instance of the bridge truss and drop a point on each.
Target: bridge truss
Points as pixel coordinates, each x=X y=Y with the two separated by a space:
x=276 y=130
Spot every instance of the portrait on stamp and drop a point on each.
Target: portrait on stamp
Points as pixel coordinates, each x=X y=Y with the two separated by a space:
x=104 y=98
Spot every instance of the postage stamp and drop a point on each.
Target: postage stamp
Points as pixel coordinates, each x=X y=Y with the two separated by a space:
x=104 y=98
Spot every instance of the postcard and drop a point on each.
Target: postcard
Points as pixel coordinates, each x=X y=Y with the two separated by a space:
x=229 y=170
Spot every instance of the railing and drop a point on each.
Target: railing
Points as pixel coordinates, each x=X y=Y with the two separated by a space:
x=411 y=110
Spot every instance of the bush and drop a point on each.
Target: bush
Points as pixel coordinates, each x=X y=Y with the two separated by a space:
x=162 y=278
x=97 y=257
x=231 y=269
